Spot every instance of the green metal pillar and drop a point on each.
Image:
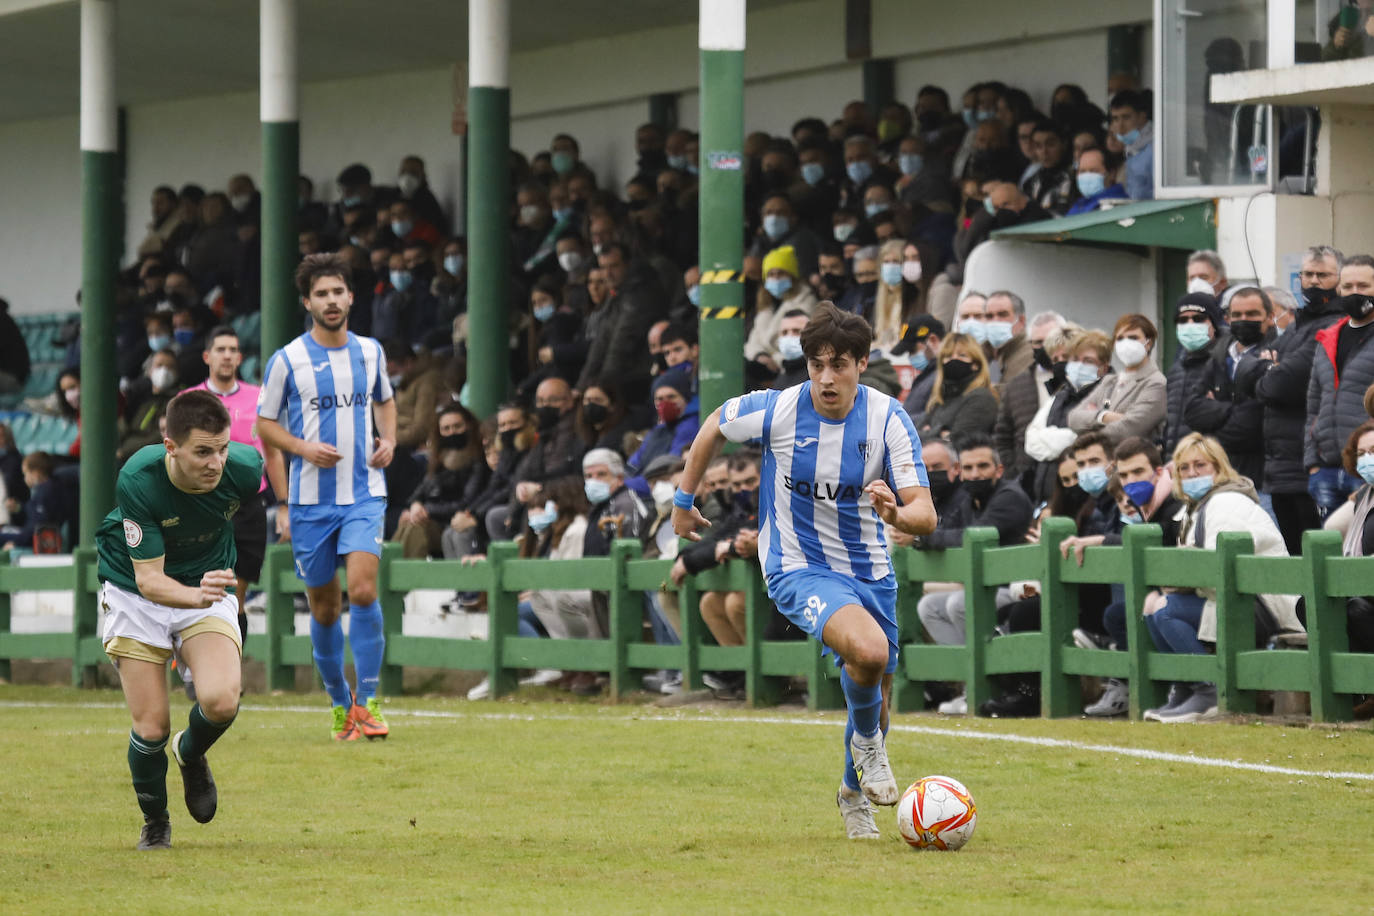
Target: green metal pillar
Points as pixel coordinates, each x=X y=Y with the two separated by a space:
x=1124 y=51
x=880 y=83
x=721 y=248
x=488 y=195
x=100 y=231
x=281 y=145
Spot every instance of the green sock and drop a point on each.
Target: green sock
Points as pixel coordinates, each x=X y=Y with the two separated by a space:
x=200 y=734
x=148 y=766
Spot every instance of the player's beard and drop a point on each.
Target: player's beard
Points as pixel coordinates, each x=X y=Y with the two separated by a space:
x=335 y=325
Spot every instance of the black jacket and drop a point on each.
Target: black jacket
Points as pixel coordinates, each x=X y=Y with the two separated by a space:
x=1232 y=415
x=1282 y=390
x=1008 y=510
x=445 y=492
x=1186 y=377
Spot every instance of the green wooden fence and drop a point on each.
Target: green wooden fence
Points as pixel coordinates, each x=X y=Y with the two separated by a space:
x=1326 y=668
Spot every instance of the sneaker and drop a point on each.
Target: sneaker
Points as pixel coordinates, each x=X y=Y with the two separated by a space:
x=858 y=815
x=481 y=691
x=713 y=681
x=1201 y=705
x=201 y=795
x=955 y=707
x=541 y=678
x=368 y=720
x=1178 y=695
x=343 y=728
x=1014 y=704
x=672 y=684
x=1115 y=700
x=155 y=834
x=1084 y=639
x=875 y=774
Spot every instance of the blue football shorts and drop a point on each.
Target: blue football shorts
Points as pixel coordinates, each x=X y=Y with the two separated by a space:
x=809 y=597
x=320 y=535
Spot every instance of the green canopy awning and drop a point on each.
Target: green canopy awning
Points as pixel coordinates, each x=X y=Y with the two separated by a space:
x=1189 y=224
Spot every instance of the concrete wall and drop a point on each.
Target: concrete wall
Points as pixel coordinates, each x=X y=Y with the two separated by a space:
x=596 y=89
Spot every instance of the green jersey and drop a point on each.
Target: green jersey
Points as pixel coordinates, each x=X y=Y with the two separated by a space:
x=154 y=518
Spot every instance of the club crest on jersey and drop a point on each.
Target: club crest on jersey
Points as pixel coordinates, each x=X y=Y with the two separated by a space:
x=867 y=447
x=133 y=535
x=731 y=410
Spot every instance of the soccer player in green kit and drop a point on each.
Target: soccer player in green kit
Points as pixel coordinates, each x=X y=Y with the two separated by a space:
x=167 y=577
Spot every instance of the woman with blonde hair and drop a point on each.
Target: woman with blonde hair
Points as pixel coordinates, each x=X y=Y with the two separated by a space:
x=963 y=400
x=1216 y=498
x=895 y=295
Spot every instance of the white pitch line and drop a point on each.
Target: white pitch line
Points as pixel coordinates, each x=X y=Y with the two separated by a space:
x=1032 y=740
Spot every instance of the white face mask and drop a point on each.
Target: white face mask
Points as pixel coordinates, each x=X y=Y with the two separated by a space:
x=1199 y=285
x=161 y=378
x=663 y=494
x=1130 y=352
x=407 y=183
x=529 y=214
x=570 y=260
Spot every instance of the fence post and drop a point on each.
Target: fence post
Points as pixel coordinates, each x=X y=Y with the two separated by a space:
x=5 y=673
x=1235 y=622
x=503 y=618
x=85 y=613
x=626 y=615
x=907 y=695
x=1145 y=693
x=980 y=614
x=1059 y=695
x=393 y=607
x=758 y=689
x=1326 y=625
x=281 y=616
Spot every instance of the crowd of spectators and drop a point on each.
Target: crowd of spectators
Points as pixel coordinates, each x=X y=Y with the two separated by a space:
x=1023 y=414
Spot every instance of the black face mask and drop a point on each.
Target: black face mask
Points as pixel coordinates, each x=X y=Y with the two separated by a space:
x=928 y=120
x=1247 y=333
x=941 y=485
x=1042 y=359
x=548 y=417
x=746 y=500
x=774 y=179
x=980 y=490
x=722 y=498
x=835 y=282
x=1358 y=306
x=972 y=206
x=1316 y=296
x=508 y=439
x=633 y=205
x=1059 y=369
x=956 y=370
x=456 y=441
x=595 y=414
x=660 y=364
x=1073 y=499
x=869 y=289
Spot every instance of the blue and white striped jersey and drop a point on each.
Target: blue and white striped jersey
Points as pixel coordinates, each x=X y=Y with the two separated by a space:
x=327 y=395
x=813 y=511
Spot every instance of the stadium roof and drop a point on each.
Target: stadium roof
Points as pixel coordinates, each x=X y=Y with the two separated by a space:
x=1190 y=224
x=189 y=48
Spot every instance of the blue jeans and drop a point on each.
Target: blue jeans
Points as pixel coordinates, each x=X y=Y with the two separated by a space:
x=1173 y=628
x=1329 y=487
x=528 y=623
x=664 y=634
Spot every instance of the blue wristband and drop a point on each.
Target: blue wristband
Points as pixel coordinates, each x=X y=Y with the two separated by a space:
x=683 y=499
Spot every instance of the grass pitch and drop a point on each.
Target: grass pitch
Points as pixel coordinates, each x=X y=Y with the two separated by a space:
x=576 y=807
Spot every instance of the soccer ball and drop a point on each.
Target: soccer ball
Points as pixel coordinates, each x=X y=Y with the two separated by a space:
x=937 y=812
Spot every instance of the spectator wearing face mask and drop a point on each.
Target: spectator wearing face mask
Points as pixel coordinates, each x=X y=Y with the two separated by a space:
x=555 y=338
x=602 y=420
x=408 y=227
x=554 y=456
x=413 y=184
x=1090 y=180
x=677 y=411
x=534 y=245
x=1132 y=127
x=515 y=436
x=793 y=361
x=1197 y=323
x=782 y=291
x=166 y=229
x=148 y=399
x=619 y=347
x=962 y=400
x=896 y=296
x=921 y=346
x=861 y=295
x=862 y=170
x=1052 y=186
x=616 y=512
x=817 y=195
x=188 y=339
x=1085 y=358
x=1133 y=401
x=779 y=227
x=455 y=475
x=214 y=247
x=1023 y=395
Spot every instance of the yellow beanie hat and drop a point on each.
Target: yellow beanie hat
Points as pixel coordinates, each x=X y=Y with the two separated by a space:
x=784 y=257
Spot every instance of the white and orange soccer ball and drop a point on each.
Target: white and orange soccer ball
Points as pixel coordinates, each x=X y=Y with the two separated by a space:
x=937 y=812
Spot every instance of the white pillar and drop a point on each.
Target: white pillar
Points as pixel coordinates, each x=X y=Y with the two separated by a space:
x=279 y=85
x=489 y=44
x=99 y=133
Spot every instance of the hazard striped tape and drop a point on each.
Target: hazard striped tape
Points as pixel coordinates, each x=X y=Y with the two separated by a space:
x=721 y=276
x=729 y=311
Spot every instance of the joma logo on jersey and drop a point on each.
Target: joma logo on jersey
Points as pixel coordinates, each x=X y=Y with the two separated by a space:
x=817 y=489
x=356 y=399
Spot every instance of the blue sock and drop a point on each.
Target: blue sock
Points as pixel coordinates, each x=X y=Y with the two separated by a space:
x=368 y=642
x=865 y=710
x=327 y=644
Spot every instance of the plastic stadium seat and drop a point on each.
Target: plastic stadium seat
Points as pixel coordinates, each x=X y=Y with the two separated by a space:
x=249 y=328
x=251 y=370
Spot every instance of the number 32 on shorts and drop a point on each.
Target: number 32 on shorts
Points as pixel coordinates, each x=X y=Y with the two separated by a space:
x=815 y=607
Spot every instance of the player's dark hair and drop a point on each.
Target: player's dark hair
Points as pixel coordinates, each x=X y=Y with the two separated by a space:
x=1134 y=445
x=219 y=330
x=324 y=264
x=195 y=409
x=844 y=332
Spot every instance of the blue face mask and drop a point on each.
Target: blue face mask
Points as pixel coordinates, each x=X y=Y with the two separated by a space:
x=1140 y=492
x=184 y=336
x=1091 y=183
x=974 y=328
x=988 y=206
x=1128 y=139
x=891 y=273
x=453 y=263
x=563 y=214
x=1192 y=336
x=812 y=173
x=776 y=226
x=1080 y=375
x=777 y=286
x=919 y=361
x=790 y=347
x=598 y=491
x=998 y=332
x=911 y=163
x=401 y=279
x=970 y=117
x=694 y=294
x=692 y=168
x=843 y=231
x=352 y=201
x=1197 y=487
x=677 y=162
x=562 y=162
x=1092 y=480
x=859 y=171
x=401 y=227
x=986 y=115
x=543 y=313
x=873 y=209
x=1364 y=466
x=1131 y=519
x=159 y=342
x=543 y=518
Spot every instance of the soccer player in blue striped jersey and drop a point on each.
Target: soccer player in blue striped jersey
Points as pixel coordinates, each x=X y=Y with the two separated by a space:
x=326 y=402
x=840 y=461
